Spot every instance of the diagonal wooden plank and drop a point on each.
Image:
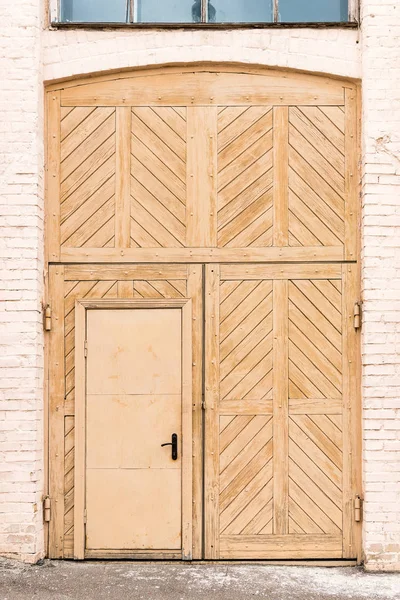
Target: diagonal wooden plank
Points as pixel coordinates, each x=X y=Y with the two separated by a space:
x=331 y=313
x=299 y=234
x=146 y=290
x=167 y=289
x=236 y=205
x=311 y=448
x=233 y=430
x=253 y=504
x=315 y=493
x=261 y=311
x=330 y=291
x=85 y=128
x=260 y=521
x=158 y=168
x=72 y=117
x=247 y=386
x=317 y=139
x=255 y=462
x=320 y=439
x=149 y=223
x=243 y=181
x=146 y=187
x=243 y=458
x=157 y=145
x=305 y=463
x=327 y=127
x=329 y=429
x=326 y=377
x=177 y=122
x=257 y=233
x=311 y=509
x=312 y=180
x=309 y=219
x=257 y=351
x=334 y=114
x=89 y=175
x=304 y=305
x=242 y=439
x=301 y=518
x=309 y=329
x=151 y=116
x=253 y=338
x=306 y=377
x=316 y=161
x=253 y=122
x=242 y=162
x=226 y=288
x=103 y=237
x=255 y=294
x=233 y=301
x=228 y=114
x=86 y=228
x=224 y=421
x=248 y=225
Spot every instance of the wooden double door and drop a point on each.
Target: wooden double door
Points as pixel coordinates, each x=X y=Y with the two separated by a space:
x=202 y=281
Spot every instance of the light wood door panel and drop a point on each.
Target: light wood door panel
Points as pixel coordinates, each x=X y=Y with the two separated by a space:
x=134 y=352
x=133 y=483
x=276 y=400
x=145 y=516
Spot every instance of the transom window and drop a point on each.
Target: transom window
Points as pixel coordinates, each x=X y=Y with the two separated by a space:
x=204 y=11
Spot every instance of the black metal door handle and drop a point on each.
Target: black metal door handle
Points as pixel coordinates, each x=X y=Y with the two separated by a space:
x=174 y=446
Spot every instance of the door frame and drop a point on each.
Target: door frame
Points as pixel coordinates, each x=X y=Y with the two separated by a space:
x=81 y=308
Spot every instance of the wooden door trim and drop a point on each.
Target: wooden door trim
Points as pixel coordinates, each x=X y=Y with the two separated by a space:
x=81 y=306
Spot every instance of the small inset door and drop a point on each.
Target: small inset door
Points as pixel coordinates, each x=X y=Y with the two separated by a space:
x=136 y=431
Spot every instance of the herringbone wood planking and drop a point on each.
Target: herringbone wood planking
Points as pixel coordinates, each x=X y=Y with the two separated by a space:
x=74 y=290
x=315 y=474
x=245 y=176
x=246 y=475
x=316 y=176
x=315 y=339
x=158 y=177
x=246 y=341
x=87 y=173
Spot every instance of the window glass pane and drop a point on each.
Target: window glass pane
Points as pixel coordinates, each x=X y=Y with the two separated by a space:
x=89 y=11
x=168 y=11
x=308 y=11
x=240 y=11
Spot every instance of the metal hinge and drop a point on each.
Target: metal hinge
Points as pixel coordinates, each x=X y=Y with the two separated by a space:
x=357 y=315
x=358 y=508
x=46 y=509
x=85 y=349
x=47 y=318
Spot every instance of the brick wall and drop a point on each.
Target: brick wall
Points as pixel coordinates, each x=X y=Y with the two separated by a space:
x=381 y=281
x=21 y=267
x=31 y=53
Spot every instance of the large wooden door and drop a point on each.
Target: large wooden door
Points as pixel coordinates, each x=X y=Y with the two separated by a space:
x=238 y=189
x=280 y=380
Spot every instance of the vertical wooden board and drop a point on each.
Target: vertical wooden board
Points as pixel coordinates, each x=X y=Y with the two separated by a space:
x=352 y=175
x=280 y=406
x=53 y=236
x=352 y=433
x=211 y=459
x=122 y=177
x=201 y=177
x=195 y=292
x=187 y=433
x=56 y=412
x=80 y=432
x=281 y=175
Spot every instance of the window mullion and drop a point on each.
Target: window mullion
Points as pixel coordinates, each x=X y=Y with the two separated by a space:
x=276 y=11
x=204 y=11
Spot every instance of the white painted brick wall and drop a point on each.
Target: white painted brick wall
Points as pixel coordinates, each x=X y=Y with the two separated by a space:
x=21 y=267
x=381 y=281
x=30 y=53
